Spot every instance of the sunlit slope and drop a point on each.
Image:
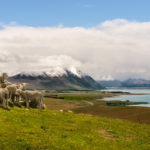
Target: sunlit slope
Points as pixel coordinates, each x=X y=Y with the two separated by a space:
x=32 y=129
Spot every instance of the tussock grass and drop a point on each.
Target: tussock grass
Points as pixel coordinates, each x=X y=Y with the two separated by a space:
x=54 y=130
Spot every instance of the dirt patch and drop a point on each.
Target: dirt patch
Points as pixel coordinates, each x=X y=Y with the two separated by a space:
x=129 y=138
x=105 y=134
x=136 y=114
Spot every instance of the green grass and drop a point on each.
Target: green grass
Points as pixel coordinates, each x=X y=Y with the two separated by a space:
x=31 y=129
x=85 y=95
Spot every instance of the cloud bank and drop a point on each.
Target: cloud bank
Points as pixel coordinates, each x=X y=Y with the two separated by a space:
x=117 y=48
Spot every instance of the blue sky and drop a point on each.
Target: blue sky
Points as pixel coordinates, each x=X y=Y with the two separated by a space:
x=71 y=13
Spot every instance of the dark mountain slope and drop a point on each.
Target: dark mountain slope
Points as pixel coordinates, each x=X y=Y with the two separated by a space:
x=65 y=81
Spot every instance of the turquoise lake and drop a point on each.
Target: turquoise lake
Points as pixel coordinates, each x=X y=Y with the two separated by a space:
x=135 y=98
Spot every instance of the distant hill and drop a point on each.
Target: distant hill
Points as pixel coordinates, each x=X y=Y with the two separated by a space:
x=136 y=83
x=111 y=83
x=57 y=80
x=130 y=83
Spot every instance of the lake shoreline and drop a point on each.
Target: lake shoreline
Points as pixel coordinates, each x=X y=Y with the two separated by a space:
x=87 y=103
x=127 y=97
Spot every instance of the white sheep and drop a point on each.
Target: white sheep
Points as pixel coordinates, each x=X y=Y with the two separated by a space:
x=4 y=95
x=32 y=96
x=12 y=91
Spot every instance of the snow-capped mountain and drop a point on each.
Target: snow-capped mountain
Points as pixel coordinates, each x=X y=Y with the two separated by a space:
x=57 y=79
x=53 y=72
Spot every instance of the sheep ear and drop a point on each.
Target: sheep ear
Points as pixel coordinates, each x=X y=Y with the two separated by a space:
x=5 y=75
x=25 y=84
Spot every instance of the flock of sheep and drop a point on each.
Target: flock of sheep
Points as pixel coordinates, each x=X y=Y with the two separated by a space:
x=17 y=94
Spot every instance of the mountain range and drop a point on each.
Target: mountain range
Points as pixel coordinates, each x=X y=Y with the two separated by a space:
x=57 y=79
x=129 y=83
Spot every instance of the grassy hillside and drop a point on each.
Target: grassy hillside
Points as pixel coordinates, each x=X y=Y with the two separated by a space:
x=50 y=129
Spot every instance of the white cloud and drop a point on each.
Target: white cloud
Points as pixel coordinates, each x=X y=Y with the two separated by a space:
x=119 y=48
x=107 y=78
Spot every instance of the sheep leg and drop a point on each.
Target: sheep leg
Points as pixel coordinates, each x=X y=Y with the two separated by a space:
x=10 y=97
x=39 y=104
x=27 y=104
x=13 y=98
x=3 y=103
x=17 y=99
x=6 y=103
